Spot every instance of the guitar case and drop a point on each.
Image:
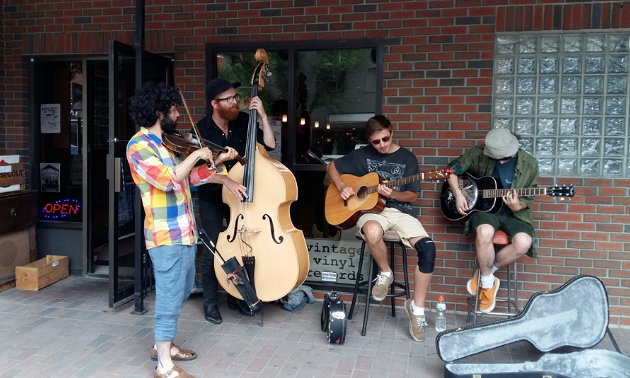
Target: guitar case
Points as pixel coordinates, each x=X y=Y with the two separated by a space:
x=574 y=315
x=333 y=318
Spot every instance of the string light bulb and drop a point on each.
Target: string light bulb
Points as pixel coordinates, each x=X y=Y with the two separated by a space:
x=316 y=124
x=285 y=118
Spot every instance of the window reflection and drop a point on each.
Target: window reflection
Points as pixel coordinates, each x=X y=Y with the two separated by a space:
x=239 y=66
x=335 y=96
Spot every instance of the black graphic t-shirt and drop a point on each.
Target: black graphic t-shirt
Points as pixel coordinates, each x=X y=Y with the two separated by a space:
x=394 y=166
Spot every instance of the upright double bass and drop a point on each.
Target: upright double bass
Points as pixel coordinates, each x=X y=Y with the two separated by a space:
x=260 y=226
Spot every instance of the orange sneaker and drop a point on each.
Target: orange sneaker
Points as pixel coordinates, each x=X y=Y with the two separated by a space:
x=472 y=283
x=488 y=297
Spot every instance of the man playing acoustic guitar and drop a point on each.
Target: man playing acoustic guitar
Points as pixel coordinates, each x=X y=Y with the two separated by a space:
x=502 y=159
x=391 y=162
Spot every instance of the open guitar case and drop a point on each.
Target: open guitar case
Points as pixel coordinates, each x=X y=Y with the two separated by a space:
x=574 y=315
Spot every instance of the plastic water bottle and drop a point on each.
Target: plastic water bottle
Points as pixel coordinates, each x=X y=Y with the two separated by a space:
x=440 y=321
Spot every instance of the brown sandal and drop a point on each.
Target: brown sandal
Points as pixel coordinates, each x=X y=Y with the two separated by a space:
x=181 y=373
x=181 y=355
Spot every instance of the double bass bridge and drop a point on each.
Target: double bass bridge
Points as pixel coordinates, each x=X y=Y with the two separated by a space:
x=248 y=230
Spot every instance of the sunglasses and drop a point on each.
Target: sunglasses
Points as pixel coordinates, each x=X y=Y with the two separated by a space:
x=376 y=142
x=229 y=99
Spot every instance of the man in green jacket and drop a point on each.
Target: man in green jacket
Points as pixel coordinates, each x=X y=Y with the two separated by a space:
x=513 y=168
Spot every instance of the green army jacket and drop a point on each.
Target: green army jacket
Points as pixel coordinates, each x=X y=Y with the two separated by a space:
x=525 y=176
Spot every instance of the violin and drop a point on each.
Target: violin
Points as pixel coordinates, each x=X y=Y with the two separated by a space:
x=177 y=142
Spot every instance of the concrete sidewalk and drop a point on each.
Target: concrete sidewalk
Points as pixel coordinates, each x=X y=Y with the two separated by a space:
x=67 y=330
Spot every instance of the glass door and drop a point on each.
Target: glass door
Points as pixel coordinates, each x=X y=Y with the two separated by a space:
x=126 y=249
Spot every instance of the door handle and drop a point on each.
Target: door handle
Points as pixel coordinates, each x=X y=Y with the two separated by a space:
x=117 y=174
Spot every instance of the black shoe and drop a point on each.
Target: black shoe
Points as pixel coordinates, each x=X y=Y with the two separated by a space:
x=241 y=306
x=213 y=315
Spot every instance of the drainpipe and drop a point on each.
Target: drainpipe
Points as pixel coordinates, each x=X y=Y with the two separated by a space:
x=141 y=254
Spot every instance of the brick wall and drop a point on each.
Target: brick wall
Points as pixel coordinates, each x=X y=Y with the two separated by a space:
x=437 y=90
x=2 y=84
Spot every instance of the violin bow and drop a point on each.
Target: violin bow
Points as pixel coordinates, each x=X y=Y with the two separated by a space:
x=195 y=129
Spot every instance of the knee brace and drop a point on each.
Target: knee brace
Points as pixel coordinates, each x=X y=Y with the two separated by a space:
x=426 y=255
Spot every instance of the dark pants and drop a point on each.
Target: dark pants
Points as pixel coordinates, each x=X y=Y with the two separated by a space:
x=212 y=215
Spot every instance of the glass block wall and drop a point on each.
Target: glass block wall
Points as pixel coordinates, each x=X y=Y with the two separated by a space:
x=566 y=96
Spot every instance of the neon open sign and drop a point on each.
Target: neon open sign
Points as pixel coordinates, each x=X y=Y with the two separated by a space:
x=61 y=208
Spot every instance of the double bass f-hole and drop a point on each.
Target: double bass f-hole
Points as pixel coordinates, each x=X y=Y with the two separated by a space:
x=232 y=238
x=272 y=228
x=243 y=230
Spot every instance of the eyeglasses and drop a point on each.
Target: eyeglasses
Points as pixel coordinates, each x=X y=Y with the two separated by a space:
x=376 y=142
x=236 y=97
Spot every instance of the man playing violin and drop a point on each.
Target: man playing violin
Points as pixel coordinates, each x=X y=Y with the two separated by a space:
x=164 y=180
x=227 y=126
x=391 y=162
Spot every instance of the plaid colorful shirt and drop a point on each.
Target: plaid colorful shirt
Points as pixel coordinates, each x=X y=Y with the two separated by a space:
x=168 y=207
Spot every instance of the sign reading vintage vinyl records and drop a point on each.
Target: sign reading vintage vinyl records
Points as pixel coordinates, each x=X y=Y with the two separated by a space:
x=334 y=261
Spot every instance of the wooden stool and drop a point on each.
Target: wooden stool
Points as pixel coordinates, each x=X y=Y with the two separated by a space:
x=392 y=239
x=499 y=241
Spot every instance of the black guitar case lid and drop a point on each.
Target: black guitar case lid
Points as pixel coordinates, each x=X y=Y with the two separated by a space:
x=575 y=314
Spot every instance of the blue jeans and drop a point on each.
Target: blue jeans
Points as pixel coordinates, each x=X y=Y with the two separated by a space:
x=174 y=270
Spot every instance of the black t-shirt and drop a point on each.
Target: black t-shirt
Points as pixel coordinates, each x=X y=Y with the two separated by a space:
x=505 y=174
x=236 y=138
x=399 y=164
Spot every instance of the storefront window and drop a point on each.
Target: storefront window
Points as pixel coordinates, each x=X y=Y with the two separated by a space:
x=318 y=98
x=59 y=119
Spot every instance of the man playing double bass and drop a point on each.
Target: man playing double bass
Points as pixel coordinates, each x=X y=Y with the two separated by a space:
x=227 y=126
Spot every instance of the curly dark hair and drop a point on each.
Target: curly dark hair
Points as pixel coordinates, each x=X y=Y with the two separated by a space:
x=151 y=99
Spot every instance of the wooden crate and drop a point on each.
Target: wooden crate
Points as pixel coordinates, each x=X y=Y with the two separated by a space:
x=41 y=273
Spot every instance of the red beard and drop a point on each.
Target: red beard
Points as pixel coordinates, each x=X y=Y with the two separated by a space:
x=230 y=113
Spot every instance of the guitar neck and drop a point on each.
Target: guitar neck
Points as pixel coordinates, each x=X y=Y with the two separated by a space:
x=495 y=193
x=402 y=181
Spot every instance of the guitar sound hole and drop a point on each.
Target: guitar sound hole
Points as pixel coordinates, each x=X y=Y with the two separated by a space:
x=361 y=193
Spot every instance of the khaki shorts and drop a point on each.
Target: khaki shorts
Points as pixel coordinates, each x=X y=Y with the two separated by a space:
x=405 y=225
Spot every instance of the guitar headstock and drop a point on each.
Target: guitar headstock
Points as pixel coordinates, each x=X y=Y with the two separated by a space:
x=438 y=174
x=561 y=191
x=258 y=78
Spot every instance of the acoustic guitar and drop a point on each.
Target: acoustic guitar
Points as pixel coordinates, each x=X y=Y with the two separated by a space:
x=346 y=213
x=484 y=194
